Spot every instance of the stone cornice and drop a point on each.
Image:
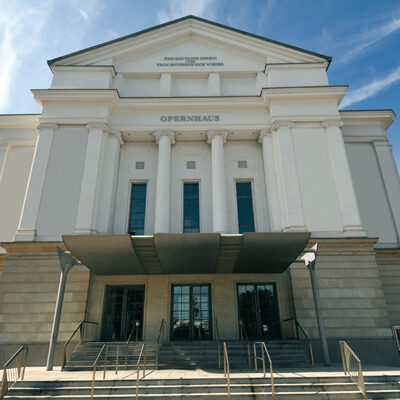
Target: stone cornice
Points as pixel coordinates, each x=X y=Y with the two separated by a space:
x=170 y=134
x=212 y=134
x=383 y=118
x=335 y=93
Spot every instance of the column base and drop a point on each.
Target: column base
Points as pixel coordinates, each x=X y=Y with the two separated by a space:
x=354 y=231
x=25 y=235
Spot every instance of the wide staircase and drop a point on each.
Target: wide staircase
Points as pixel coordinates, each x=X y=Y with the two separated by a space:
x=286 y=388
x=187 y=355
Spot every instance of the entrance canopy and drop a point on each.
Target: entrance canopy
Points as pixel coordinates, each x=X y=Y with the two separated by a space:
x=195 y=253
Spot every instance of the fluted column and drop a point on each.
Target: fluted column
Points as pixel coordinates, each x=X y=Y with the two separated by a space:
x=217 y=140
x=271 y=181
x=86 y=209
x=347 y=198
x=163 y=192
x=27 y=225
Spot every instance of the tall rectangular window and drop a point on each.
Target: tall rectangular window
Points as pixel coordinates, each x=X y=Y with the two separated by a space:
x=137 y=209
x=191 y=212
x=245 y=207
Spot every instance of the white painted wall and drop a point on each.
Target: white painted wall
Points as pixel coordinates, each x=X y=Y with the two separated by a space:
x=130 y=153
x=60 y=196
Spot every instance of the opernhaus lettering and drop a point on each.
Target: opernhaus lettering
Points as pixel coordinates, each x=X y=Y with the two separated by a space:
x=189 y=118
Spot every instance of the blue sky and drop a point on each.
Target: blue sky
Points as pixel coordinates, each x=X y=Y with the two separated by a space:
x=362 y=36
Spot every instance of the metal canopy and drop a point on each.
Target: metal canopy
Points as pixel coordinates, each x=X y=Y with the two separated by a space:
x=196 y=253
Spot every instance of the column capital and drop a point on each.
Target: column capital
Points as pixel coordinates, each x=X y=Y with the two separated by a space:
x=46 y=126
x=97 y=126
x=263 y=133
x=276 y=124
x=211 y=134
x=159 y=134
x=118 y=136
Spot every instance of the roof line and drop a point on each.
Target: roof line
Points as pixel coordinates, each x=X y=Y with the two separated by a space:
x=54 y=60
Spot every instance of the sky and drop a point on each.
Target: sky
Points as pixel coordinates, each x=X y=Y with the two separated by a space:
x=362 y=36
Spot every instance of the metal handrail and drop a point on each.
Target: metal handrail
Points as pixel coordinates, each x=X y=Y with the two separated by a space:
x=352 y=367
x=264 y=351
x=13 y=374
x=218 y=343
x=78 y=328
x=227 y=373
x=143 y=349
x=94 y=371
x=161 y=330
x=310 y=348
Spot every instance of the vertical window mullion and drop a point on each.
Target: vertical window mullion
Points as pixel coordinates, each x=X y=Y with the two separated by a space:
x=137 y=209
x=245 y=207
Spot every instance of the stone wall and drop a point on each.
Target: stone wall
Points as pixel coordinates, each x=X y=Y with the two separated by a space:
x=351 y=291
x=28 y=291
x=389 y=270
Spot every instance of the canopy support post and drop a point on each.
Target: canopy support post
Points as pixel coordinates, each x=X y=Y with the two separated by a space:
x=67 y=261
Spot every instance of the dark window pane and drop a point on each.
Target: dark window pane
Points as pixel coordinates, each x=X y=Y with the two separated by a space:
x=137 y=209
x=191 y=217
x=245 y=207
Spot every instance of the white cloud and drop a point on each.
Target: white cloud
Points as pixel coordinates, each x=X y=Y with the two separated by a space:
x=371 y=89
x=180 y=8
x=367 y=38
x=84 y=14
x=20 y=30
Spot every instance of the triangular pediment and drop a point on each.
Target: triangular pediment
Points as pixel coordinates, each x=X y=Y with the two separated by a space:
x=192 y=42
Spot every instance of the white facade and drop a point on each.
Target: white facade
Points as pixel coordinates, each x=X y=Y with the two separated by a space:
x=193 y=91
x=243 y=109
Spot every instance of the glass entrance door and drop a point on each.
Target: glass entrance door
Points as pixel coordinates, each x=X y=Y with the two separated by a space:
x=258 y=311
x=123 y=313
x=191 y=312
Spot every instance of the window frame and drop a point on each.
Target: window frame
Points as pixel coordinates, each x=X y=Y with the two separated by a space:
x=131 y=183
x=251 y=182
x=190 y=181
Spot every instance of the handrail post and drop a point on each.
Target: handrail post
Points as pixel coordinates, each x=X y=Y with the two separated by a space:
x=105 y=363
x=255 y=356
x=93 y=379
x=144 y=364
x=117 y=361
x=263 y=360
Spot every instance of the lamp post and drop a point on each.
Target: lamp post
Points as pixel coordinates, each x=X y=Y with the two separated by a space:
x=67 y=261
x=309 y=258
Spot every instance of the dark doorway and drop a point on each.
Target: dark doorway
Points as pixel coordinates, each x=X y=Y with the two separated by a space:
x=123 y=313
x=191 y=312
x=258 y=311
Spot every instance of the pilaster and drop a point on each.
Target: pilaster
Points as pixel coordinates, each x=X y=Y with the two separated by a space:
x=86 y=209
x=271 y=181
x=293 y=215
x=27 y=226
x=352 y=225
x=391 y=180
